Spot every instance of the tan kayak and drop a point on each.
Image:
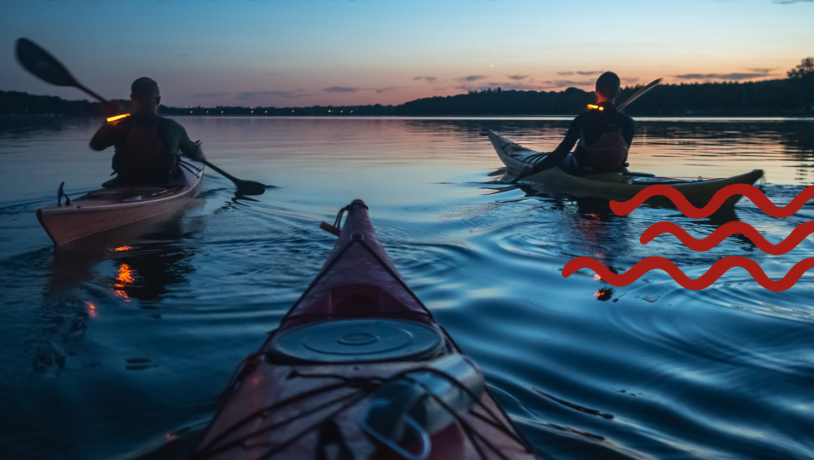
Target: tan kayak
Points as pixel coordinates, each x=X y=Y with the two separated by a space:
x=613 y=186
x=106 y=209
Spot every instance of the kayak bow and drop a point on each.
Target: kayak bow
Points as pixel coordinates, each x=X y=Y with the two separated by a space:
x=619 y=186
x=359 y=369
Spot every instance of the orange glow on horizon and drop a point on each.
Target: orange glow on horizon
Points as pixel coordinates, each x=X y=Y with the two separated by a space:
x=123 y=248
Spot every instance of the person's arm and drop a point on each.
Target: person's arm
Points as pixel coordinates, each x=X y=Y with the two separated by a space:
x=631 y=131
x=554 y=158
x=104 y=137
x=189 y=149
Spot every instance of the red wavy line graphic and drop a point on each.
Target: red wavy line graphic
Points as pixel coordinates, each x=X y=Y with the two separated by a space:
x=726 y=230
x=716 y=271
x=750 y=191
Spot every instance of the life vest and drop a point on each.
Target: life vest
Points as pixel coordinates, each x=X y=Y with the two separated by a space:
x=608 y=153
x=144 y=156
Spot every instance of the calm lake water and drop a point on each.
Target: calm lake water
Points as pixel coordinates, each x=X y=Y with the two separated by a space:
x=122 y=355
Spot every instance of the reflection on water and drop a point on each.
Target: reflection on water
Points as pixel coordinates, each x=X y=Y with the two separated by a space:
x=119 y=346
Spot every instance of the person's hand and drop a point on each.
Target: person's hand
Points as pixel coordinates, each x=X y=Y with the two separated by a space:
x=201 y=155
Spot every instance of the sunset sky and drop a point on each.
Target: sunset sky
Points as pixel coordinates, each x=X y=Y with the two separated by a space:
x=301 y=52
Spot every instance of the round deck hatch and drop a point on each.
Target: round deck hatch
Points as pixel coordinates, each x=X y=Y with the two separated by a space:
x=357 y=340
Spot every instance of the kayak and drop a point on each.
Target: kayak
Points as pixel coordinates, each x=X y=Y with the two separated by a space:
x=108 y=208
x=619 y=186
x=359 y=369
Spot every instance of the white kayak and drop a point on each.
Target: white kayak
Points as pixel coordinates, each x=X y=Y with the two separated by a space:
x=109 y=208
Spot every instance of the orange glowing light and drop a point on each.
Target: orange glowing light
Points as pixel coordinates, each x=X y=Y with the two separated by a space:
x=252 y=111
x=595 y=107
x=91 y=310
x=221 y=111
x=117 y=117
x=126 y=278
x=123 y=248
x=190 y=111
x=597 y=277
x=125 y=275
x=328 y=111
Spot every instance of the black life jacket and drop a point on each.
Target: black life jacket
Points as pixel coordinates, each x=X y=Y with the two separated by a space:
x=144 y=157
x=608 y=153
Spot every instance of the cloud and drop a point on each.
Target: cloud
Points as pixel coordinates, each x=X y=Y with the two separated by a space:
x=789 y=2
x=340 y=89
x=427 y=79
x=252 y=95
x=567 y=83
x=762 y=70
x=389 y=88
x=211 y=95
x=734 y=76
x=472 y=78
x=518 y=77
x=584 y=73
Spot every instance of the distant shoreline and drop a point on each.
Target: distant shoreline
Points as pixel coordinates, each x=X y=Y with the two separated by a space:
x=694 y=117
x=793 y=97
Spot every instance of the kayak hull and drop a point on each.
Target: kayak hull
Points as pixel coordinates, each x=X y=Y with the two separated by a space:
x=302 y=410
x=617 y=186
x=106 y=209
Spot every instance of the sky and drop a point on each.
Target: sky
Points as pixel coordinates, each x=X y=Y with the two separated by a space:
x=356 y=52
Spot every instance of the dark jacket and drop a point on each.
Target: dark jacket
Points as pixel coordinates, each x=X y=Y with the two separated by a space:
x=588 y=128
x=146 y=147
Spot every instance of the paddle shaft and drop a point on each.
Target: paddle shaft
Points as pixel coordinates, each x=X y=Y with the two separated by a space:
x=639 y=93
x=222 y=172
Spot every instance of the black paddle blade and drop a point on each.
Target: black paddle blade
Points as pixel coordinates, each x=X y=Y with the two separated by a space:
x=37 y=61
x=247 y=187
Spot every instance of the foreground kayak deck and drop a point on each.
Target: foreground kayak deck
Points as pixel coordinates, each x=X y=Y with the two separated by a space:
x=613 y=185
x=323 y=384
x=106 y=209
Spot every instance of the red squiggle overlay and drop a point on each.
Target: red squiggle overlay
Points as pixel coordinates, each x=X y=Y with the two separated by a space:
x=728 y=229
x=750 y=191
x=716 y=271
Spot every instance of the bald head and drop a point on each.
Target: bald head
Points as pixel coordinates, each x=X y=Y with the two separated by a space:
x=145 y=95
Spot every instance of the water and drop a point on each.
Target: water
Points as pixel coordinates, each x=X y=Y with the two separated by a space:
x=122 y=354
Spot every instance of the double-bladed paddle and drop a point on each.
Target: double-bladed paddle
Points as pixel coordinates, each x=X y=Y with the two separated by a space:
x=44 y=66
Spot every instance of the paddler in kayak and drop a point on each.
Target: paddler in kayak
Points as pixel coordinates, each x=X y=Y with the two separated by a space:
x=604 y=135
x=146 y=144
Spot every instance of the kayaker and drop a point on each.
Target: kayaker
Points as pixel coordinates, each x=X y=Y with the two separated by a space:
x=604 y=135
x=146 y=145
